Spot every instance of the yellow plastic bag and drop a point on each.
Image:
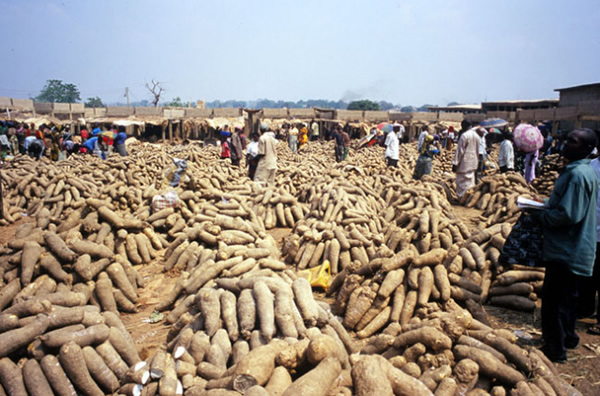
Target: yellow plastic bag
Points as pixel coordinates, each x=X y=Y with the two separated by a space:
x=319 y=276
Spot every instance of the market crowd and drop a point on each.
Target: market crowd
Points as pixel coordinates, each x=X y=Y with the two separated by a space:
x=59 y=142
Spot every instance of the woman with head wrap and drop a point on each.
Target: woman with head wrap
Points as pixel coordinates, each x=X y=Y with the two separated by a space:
x=428 y=150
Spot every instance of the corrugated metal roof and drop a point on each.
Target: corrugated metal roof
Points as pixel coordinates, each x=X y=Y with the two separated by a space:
x=578 y=87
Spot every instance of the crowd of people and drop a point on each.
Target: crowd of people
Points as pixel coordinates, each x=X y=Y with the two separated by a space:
x=58 y=142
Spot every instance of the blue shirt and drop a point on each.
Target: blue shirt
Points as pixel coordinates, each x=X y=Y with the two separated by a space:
x=90 y=143
x=569 y=222
x=120 y=138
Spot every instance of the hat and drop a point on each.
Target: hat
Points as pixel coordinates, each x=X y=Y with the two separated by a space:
x=396 y=124
x=264 y=126
x=429 y=138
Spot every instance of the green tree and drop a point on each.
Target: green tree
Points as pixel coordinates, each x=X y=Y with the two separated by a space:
x=363 y=105
x=425 y=108
x=176 y=102
x=94 y=102
x=58 y=92
x=408 y=109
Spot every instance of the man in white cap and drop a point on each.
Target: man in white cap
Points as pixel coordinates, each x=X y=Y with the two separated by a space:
x=267 y=157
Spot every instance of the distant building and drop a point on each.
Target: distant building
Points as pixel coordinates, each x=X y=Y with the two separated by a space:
x=580 y=105
x=515 y=105
x=464 y=109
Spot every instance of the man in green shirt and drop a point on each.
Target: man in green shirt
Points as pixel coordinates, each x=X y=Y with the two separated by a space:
x=569 y=227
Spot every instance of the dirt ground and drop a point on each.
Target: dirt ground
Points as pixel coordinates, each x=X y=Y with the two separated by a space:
x=581 y=370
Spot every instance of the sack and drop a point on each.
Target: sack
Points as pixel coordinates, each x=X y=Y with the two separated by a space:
x=168 y=200
x=524 y=244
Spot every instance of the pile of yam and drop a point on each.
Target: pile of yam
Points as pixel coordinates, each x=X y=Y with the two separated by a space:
x=402 y=313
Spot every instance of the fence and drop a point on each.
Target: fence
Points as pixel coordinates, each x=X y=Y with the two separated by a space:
x=584 y=111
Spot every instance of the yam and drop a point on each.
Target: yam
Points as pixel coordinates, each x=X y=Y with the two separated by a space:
x=11 y=378
x=15 y=339
x=35 y=380
x=56 y=376
x=72 y=360
x=317 y=381
x=265 y=309
x=369 y=378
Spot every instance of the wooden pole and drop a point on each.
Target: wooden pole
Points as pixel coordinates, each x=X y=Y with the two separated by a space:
x=170 y=131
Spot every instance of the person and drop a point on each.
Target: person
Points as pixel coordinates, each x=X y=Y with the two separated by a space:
x=466 y=160
x=482 y=153
x=339 y=143
x=392 y=150
x=90 y=145
x=267 y=157
x=35 y=147
x=506 y=157
x=119 y=142
x=450 y=140
x=591 y=286
x=424 y=132
x=314 y=126
x=569 y=227
x=242 y=134
x=252 y=155
x=303 y=136
x=105 y=143
x=346 y=140
x=225 y=150
x=237 y=152
x=530 y=162
x=84 y=134
x=428 y=150
x=293 y=138
x=400 y=131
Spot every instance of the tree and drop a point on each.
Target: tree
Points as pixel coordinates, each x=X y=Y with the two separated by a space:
x=94 y=102
x=425 y=108
x=385 y=106
x=408 y=109
x=176 y=102
x=56 y=91
x=363 y=105
x=453 y=104
x=156 y=90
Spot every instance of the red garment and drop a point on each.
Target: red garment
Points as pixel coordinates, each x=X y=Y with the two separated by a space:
x=84 y=134
x=225 y=153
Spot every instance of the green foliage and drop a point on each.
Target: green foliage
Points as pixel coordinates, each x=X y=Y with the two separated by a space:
x=176 y=102
x=425 y=108
x=94 y=102
x=453 y=104
x=408 y=109
x=363 y=105
x=56 y=91
x=385 y=106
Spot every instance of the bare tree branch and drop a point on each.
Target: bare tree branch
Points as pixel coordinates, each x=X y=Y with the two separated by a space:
x=156 y=90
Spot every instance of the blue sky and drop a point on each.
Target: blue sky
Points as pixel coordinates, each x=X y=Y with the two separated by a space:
x=404 y=52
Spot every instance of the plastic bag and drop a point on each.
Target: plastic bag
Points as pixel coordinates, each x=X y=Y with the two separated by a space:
x=318 y=276
x=174 y=173
x=524 y=244
x=161 y=201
